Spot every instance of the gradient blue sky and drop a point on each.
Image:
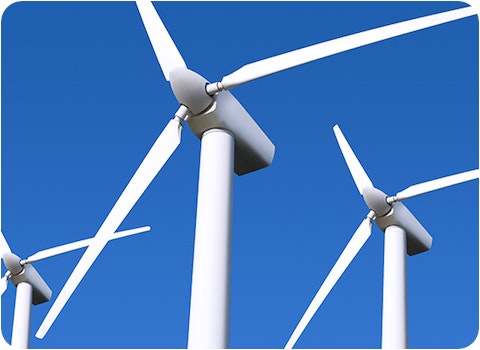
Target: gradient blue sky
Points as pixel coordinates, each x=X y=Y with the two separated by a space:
x=83 y=99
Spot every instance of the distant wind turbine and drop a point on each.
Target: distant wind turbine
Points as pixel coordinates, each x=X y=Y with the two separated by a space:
x=403 y=235
x=31 y=288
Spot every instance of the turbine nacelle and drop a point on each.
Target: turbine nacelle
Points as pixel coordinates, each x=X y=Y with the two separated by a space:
x=253 y=148
x=418 y=239
x=19 y=273
x=41 y=292
x=397 y=214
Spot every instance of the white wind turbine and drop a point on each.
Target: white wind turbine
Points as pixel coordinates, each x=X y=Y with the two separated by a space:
x=403 y=235
x=231 y=141
x=31 y=288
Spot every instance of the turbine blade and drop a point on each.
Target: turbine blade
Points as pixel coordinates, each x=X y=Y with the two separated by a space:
x=167 y=53
x=358 y=173
x=133 y=231
x=3 y=285
x=357 y=241
x=4 y=247
x=65 y=248
x=436 y=184
x=80 y=270
x=162 y=149
x=298 y=57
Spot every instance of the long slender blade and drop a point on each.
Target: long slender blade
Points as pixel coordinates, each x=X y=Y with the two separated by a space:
x=165 y=49
x=357 y=241
x=437 y=184
x=358 y=173
x=65 y=248
x=162 y=149
x=4 y=247
x=298 y=57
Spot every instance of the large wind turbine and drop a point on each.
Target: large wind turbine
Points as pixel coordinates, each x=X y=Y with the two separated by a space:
x=224 y=126
x=403 y=235
x=31 y=288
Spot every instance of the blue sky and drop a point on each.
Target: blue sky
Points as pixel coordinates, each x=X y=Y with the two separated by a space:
x=83 y=99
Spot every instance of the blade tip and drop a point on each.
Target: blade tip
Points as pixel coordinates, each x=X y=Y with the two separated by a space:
x=338 y=132
x=40 y=334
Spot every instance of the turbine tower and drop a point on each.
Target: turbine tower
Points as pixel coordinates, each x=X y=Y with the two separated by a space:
x=403 y=235
x=31 y=288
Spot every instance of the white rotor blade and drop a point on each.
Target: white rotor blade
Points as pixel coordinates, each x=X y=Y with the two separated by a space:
x=126 y=233
x=358 y=173
x=357 y=241
x=162 y=149
x=65 y=248
x=3 y=285
x=298 y=57
x=4 y=247
x=437 y=184
x=4 y=282
x=167 y=53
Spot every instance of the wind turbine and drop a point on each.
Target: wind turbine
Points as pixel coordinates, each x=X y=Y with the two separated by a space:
x=403 y=235
x=31 y=288
x=224 y=127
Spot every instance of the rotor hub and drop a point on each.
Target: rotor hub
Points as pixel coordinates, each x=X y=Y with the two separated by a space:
x=189 y=89
x=12 y=262
x=376 y=201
